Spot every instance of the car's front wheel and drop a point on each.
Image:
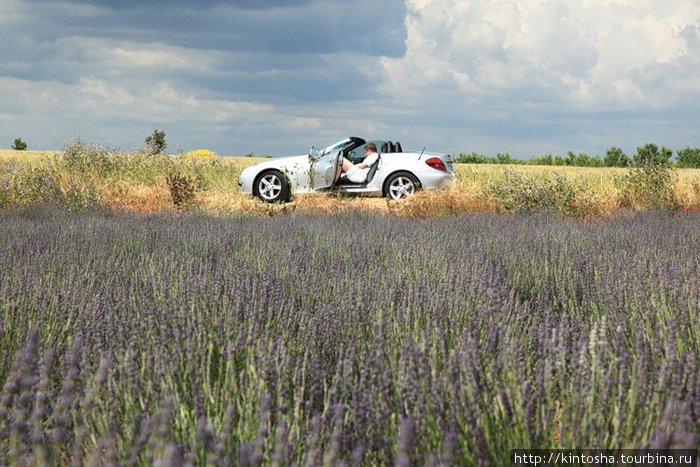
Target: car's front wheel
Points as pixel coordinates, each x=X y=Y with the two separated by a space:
x=272 y=187
x=400 y=185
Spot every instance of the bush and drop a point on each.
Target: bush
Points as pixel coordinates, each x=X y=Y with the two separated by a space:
x=648 y=187
x=79 y=194
x=519 y=193
x=19 y=145
x=82 y=159
x=108 y=165
x=23 y=186
x=28 y=185
x=689 y=158
x=182 y=189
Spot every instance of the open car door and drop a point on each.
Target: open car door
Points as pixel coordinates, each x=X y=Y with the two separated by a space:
x=326 y=170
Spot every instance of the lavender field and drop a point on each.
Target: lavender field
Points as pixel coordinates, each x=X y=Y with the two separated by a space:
x=356 y=339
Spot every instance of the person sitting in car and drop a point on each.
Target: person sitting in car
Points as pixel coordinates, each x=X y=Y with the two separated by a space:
x=357 y=173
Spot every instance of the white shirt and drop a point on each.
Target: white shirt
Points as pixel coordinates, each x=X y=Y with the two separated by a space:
x=358 y=175
x=369 y=160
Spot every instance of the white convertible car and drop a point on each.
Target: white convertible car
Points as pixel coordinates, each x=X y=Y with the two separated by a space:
x=396 y=174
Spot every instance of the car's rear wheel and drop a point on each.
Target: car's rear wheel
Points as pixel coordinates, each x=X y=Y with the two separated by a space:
x=401 y=185
x=272 y=187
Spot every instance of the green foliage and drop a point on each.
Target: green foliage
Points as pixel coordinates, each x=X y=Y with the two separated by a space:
x=26 y=185
x=650 y=154
x=616 y=158
x=474 y=158
x=520 y=193
x=582 y=160
x=80 y=159
x=689 y=158
x=80 y=194
x=571 y=159
x=156 y=142
x=648 y=186
x=471 y=158
x=108 y=165
x=505 y=158
x=19 y=145
x=547 y=159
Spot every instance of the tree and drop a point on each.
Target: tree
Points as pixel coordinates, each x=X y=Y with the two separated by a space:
x=156 y=142
x=689 y=157
x=616 y=158
x=19 y=145
x=504 y=158
x=649 y=154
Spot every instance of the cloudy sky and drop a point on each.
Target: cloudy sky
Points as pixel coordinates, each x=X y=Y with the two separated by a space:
x=526 y=77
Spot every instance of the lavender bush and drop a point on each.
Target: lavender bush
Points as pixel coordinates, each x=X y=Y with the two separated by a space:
x=348 y=340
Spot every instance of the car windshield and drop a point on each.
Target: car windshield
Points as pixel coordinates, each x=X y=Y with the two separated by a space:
x=335 y=147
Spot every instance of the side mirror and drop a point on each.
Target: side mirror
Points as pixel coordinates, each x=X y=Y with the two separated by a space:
x=313 y=153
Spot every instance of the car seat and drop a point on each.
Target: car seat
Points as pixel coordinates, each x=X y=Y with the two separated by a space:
x=373 y=169
x=384 y=148
x=398 y=147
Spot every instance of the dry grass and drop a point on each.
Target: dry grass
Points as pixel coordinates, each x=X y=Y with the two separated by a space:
x=138 y=197
x=688 y=189
x=457 y=199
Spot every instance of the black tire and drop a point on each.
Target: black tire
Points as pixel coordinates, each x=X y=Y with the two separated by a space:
x=272 y=186
x=400 y=184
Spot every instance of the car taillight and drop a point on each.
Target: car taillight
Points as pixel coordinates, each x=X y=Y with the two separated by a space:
x=436 y=163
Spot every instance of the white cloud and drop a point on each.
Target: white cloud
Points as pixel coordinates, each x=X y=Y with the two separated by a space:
x=518 y=75
x=588 y=53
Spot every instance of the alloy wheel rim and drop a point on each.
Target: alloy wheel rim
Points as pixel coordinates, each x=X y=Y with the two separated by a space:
x=400 y=187
x=270 y=187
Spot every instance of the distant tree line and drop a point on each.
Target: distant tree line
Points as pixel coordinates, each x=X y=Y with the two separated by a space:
x=649 y=154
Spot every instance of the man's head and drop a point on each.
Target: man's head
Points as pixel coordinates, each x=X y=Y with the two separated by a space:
x=370 y=148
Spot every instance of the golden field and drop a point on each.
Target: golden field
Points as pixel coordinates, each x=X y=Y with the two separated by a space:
x=144 y=188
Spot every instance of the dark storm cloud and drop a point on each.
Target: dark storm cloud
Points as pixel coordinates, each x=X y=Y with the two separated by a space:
x=288 y=50
x=249 y=4
x=367 y=27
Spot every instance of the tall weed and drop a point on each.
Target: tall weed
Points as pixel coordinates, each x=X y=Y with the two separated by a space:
x=516 y=192
x=649 y=186
x=25 y=185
